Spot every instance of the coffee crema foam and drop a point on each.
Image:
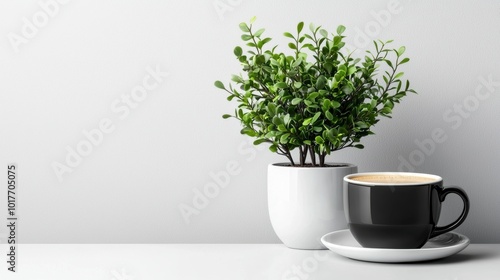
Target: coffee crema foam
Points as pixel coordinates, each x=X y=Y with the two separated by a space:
x=392 y=179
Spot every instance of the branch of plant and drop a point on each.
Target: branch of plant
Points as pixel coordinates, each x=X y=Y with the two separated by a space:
x=279 y=102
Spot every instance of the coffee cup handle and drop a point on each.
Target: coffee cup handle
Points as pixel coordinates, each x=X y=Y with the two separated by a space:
x=442 y=195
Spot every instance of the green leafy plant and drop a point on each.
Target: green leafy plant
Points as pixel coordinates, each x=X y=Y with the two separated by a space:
x=319 y=99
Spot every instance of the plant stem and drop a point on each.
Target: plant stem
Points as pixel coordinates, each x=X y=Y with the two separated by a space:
x=322 y=159
x=286 y=152
x=301 y=156
x=289 y=155
x=313 y=155
x=305 y=156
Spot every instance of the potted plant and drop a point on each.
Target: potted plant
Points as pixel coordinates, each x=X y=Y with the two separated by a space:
x=314 y=101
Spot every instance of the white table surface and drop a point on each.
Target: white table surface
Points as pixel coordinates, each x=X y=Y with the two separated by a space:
x=233 y=261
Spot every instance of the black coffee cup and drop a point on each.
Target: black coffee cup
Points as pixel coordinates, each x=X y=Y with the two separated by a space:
x=397 y=209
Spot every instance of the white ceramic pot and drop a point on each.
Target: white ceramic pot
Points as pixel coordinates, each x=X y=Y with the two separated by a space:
x=306 y=203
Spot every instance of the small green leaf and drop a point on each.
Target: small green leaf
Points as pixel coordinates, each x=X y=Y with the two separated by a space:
x=329 y=115
x=238 y=51
x=406 y=59
x=219 y=84
x=315 y=117
x=388 y=62
x=347 y=89
x=260 y=59
x=323 y=33
x=337 y=40
x=321 y=82
x=332 y=134
x=262 y=42
x=307 y=121
x=284 y=138
x=273 y=148
x=400 y=95
x=226 y=116
x=334 y=104
x=244 y=27
x=361 y=125
x=389 y=104
x=386 y=110
x=248 y=131
x=271 y=108
x=246 y=37
x=286 y=119
x=296 y=101
x=259 y=32
x=236 y=79
x=292 y=46
x=282 y=128
x=297 y=84
x=277 y=120
x=326 y=104
x=351 y=70
x=399 y=86
x=399 y=75
x=243 y=58
x=311 y=27
x=317 y=128
x=359 y=146
x=339 y=75
x=313 y=95
x=281 y=85
x=296 y=63
x=340 y=29
x=270 y=134
x=289 y=35
x=401 y=50
x=300 y=26
x=328 y=66
x=259 y=141
x=252 y=20
x=319 y=140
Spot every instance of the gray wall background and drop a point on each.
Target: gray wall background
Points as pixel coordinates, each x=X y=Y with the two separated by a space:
x=65 y=67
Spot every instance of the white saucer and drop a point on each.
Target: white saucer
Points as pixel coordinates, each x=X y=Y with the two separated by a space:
x=343 y=243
